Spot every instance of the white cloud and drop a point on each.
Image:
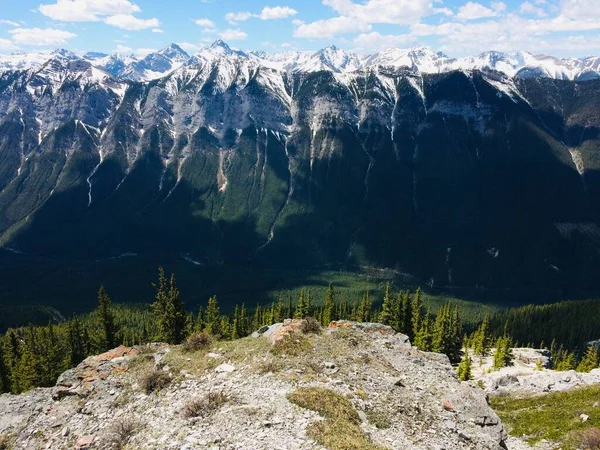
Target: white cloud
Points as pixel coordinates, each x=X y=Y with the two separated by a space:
x=189 y=47
x=87 y=10
x=157 y=30
x=501 y=6
x=39 y=36
x=473 y=11
x=579 y=9
x=330 y=27
x=143 y=52
x=206 y=23
x=529 y=8
x=376 y=41
x=233 y=35
x=400 y=12
x=122 y=49
x=9 y=22
x=129 y=22
x=235 y=18
x=277 y=12
x=7 y=44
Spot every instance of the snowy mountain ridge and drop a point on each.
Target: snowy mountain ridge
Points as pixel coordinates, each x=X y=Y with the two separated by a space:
x=419 y=60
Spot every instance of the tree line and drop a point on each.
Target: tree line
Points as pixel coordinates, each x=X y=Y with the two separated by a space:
x=36 y=355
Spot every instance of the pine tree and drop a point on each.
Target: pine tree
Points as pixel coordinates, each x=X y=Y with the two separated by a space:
x=107 y=320
x=387 y=315
x=566 y=362
x=503 y=353
x=328 y=305
x=77 y=351
x=364 y=308
x=160 y=308
x=302 y=307
x=407 y=313
x=225 y=328
x=199 y=327
x=4 y=370
x=417 y=313
x=424 y=337
x=235 y=332
x=589 y=361
x=480 y=340
x=257 y=319
x=177 y=318
x=212 y=317
x=464 y=368
x=243 y=324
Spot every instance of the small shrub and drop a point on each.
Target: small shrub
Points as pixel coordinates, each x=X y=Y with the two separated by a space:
x=292 y=345
x=6 y=441
x=155 y=380
x=330 y=404
x=120 y=432
x=269 y=366
x=198 y=341
x=588 y=439
x=206 y=406
x=378 y=418
x=310 y=325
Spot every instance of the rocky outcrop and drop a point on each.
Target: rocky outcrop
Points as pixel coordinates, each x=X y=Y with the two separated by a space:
x=234 y=396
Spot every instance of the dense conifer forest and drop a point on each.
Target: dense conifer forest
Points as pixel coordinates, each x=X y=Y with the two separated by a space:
x=35 y=356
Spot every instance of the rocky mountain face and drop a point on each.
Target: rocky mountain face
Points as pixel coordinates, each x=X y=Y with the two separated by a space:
x=460 y=178
x=259 y=393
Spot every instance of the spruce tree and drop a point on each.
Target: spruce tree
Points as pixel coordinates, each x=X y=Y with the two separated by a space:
x=480 y=340
x=4 y=370
x=364 y=308
x=176 y=314
x=417 y=313
x=464 y=368
x=77 y=351
x=302 y=307
x=235 y=332
x=387 y=315
x=160 y=308
x=212 y=317
x=257 y=319
x=328 y=305
x=107 y=320
x=243 y=324
x=589 y=361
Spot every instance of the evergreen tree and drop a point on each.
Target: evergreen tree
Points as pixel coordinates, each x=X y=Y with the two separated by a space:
x=328 y=305
x=257 y=319
x=589 y=361
x=160 y=308
x=77 y=350
x=177 y=314
x=302 y=307
x=4 y=370
x=107 y=320
x=424 y=337
x=417 y=313
x=243 y=324
x=503 y=353
x=364 y=308
x=212 y=317
x=387 y=314
x=235 y=331
x=480 y=339
x=567 y=361
x=225 y=328
x=464 y=368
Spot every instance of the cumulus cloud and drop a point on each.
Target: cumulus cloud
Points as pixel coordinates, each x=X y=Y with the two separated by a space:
x=473 y=11
x=330 y=27
x=400 y=12
x=206 y=23
x=39 y=36
x=130 y=22
x=87 y=10
x=118 y=13
x=375 y=41
x=233 y=35
x=277 y=12
x=235 y=18
x=7 y=45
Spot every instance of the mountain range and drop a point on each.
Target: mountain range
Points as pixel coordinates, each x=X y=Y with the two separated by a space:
x=478 y=172
x=423 y=60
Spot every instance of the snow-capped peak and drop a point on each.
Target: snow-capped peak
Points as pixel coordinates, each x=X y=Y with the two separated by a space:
x=332 y=58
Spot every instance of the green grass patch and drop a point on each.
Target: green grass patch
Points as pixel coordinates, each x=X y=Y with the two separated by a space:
x=341 y=430
x=552 y=416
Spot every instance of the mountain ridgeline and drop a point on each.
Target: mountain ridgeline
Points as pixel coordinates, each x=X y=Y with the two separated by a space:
x=462 y=178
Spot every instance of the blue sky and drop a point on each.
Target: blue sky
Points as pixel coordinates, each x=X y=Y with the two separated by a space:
x=456 y=27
